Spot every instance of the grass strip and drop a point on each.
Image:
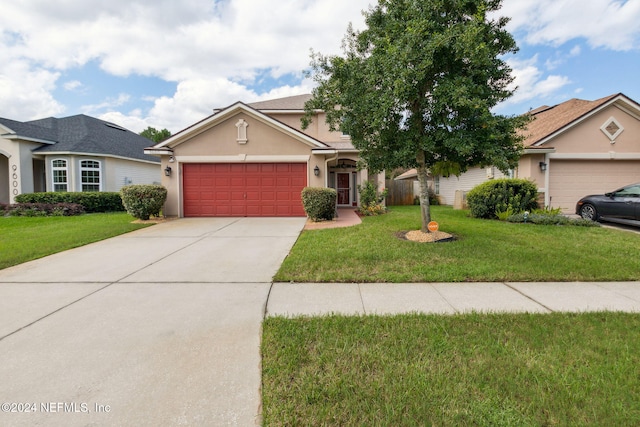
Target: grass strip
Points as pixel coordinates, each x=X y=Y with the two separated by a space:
x=472 y=369
x=484 y=250
x=28 y=238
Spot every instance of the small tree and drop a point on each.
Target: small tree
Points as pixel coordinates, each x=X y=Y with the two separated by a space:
x=370 y=199
x=416 y=89
x=155 y=135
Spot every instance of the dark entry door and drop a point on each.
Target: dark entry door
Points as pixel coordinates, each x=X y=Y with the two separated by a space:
x=344 y=190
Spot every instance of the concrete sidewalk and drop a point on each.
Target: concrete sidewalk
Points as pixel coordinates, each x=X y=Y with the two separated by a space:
x=312 y=299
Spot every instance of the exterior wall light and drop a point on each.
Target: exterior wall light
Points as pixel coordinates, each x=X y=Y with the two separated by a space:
x=316 y=171
x=167 y=171
x=543 y=166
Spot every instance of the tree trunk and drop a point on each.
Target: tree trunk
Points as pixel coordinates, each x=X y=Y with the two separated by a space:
x=425 y=209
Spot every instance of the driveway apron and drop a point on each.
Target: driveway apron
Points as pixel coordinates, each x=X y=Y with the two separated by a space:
x=160 y=326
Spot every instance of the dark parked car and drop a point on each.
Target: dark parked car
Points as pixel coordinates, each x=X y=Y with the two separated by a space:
x=622 y=205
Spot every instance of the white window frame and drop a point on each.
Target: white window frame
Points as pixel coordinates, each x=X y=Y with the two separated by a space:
x=55 y=169
x=85 y=168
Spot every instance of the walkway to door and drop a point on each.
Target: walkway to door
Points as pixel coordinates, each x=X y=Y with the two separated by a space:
x=346 y=218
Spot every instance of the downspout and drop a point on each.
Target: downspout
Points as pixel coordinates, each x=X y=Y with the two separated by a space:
x=547 y=196
x=326 y=178
x=326 y=168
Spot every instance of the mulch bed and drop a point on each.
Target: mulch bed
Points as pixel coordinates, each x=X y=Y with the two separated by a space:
x=419 y=236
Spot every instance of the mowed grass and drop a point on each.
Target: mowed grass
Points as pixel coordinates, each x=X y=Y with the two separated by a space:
x=490 y=369
x=27 y=238
x=484 y=250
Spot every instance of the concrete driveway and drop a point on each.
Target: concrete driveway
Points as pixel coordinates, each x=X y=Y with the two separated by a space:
x=160 y=326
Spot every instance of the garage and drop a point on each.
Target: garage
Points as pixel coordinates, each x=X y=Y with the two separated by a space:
x=570 y=180
x=243 y=189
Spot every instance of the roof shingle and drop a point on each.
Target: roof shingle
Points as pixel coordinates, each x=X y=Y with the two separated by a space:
x=548 y=120
x=289 y=103
x=83 y=134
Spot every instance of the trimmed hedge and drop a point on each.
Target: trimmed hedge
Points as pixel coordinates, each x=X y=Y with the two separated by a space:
x=143 y=201
x=319 y=203
x=502 y=195
x=43 y=209
x=92 y=201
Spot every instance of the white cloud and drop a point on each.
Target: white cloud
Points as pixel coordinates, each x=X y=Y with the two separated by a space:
x=609 y=24
x=575 y=51
x=531 y=82
x=25 y=91
x=196 y=99
x=108 y=103
x=181 y=40
x=214 y=51
x=131 y=120
x=72 y=85
x=560 y=58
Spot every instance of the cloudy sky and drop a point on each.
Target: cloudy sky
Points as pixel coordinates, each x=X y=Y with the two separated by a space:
x=167 y=64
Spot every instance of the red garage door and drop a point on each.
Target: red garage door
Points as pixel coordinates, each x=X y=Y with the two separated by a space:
x=243 y=189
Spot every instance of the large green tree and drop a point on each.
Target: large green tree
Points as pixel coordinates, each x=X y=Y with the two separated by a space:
x=155 y=135
x=417 y=86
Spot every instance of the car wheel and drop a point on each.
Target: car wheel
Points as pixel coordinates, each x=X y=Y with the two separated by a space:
x=588 y=211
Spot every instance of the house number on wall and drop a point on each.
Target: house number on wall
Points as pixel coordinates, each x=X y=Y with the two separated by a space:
x=14 y=168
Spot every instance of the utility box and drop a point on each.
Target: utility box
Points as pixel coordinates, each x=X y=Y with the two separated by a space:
x=460 y=200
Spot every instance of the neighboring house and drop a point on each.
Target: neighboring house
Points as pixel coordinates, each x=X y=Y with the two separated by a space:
x=77 y=153
x=254 y=160
x=572 y=149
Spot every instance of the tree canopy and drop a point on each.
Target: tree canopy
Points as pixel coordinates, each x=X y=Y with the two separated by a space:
x=155 y=135
x=416 y=88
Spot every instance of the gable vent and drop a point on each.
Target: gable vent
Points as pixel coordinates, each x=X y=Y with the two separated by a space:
x=612 y=128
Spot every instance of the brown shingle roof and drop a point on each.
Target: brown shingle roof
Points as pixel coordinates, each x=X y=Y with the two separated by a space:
x=548 y=120
x=289 y=103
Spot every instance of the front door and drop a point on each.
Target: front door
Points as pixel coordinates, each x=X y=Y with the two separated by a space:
x=343 y=188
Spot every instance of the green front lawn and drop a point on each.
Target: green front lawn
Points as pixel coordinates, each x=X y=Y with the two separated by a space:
x=27 y=238
x=463 y=370
x=484 y=250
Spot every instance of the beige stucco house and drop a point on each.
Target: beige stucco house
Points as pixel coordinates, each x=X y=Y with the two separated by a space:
x=254 y=160
x=572 y=149
x=77 y=153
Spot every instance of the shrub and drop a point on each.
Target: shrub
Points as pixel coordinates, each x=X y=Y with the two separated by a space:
x=93 y=201
x=371 y=200
x=501 y=195
x=143 y=201
x=319 y=203
x=502 y=216
x=44 y=209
